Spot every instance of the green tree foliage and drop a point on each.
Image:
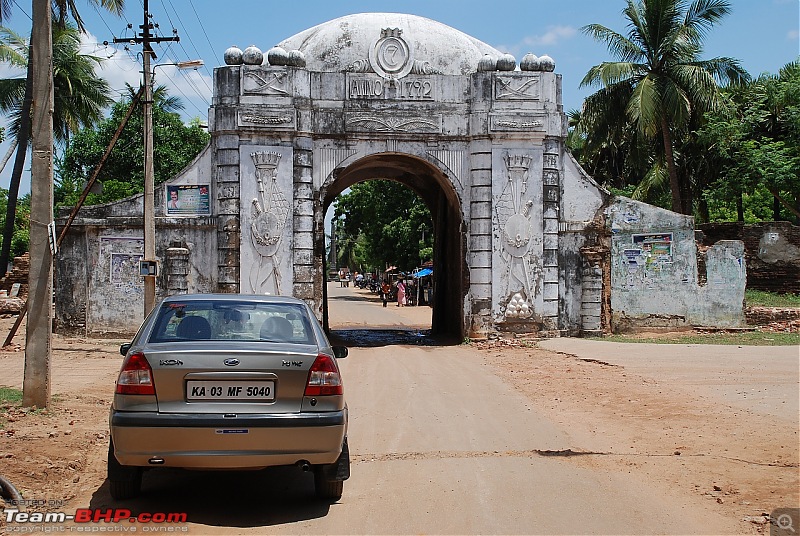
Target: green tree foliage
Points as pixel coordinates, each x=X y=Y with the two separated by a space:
x=658 y=86
x=754 y=144
x=80 y=97
x=21 y=236
x=175 y=146
x=381 y=222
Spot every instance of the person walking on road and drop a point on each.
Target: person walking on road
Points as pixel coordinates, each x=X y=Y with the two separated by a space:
x=401 y=293
x=386 y=288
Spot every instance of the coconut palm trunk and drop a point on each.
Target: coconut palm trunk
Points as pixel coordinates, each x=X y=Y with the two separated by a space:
x=669 y=156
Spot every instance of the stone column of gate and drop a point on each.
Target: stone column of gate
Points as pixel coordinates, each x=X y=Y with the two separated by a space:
x=480 y=238
x=550 y=216
x=225 y=141
x=228 y=225
x=303 y=220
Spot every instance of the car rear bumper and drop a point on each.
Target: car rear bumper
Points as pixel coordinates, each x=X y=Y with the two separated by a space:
x=212 y=441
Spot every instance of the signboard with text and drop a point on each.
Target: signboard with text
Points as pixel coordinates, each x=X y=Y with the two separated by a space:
x=187 y=200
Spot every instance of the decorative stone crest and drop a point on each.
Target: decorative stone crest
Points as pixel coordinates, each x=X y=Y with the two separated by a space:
x=391 y=58
x=260 y=82
x=269 y=211
x=516 y=88
x=513 y=211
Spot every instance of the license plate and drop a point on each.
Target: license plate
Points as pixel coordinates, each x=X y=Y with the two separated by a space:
x=257 y=391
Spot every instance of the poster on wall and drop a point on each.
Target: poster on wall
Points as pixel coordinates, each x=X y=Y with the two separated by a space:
x=124 y=271
x=656 y=247
x=187 y=200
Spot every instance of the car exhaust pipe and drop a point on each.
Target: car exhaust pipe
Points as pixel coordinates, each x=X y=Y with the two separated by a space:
x=304 y=465
x=155 y=460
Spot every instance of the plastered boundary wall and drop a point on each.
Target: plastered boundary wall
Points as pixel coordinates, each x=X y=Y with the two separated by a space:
x=654 y=280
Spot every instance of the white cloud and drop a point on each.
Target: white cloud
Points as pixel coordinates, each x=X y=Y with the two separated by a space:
x=793 y=35
x=553 y=36
x=120 y=67
x=539 y=44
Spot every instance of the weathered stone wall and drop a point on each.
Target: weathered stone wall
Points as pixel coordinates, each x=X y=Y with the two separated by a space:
x=772 y=252
x=654 y=279
x=98 y=288
x=18 y=274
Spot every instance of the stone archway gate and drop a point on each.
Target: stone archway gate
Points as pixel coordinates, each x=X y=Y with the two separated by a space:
x=526 y=241
x=285 y=123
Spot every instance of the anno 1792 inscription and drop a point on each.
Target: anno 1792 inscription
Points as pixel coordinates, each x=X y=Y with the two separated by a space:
x=368 y=86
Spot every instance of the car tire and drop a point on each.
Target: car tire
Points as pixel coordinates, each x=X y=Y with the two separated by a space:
x=329 y=479
x=329 y=490
x=124 y=482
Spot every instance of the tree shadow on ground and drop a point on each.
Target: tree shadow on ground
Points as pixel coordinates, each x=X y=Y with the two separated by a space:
x=370 y=338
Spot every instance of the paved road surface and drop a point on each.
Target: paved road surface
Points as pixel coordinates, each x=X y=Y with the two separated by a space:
x=441 y=445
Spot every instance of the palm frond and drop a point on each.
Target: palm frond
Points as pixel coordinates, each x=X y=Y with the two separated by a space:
x=619 y=45
x=13 y=47
x=610 y=73
x=702 y=15
x=656 y=179
x=645 y=108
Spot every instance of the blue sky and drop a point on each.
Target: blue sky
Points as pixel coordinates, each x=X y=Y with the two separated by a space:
x=762 y=34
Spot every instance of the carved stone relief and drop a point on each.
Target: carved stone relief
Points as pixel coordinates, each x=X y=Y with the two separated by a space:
x=258 y=81
x=386 y=123
x=510 y=123
x=453 y=160
x=330 y=158
x=265 y=215
x=516 y=88
x=273 y=118
x=513 y=216
x=391 y=58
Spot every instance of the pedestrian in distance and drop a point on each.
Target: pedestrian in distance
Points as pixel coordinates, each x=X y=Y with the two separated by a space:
x=386 y=288
x=401 y=293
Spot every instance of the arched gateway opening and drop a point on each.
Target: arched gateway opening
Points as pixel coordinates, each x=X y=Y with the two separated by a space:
x=435 y=188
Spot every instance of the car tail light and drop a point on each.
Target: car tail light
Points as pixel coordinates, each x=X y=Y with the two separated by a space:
x=136 y=376
x=324 y=378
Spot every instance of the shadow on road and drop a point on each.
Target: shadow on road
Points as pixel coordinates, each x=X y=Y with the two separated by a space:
x=356 y=298
x=273 y=496
x=370 y=338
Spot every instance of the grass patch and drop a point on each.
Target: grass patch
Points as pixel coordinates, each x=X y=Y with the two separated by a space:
x=759 y=298
x=9 y=395
x=748 y=338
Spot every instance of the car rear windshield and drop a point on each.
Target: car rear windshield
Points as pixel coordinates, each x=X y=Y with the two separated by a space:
x=235 y=321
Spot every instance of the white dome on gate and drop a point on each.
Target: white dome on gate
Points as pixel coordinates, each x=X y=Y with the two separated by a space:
x=346 y=43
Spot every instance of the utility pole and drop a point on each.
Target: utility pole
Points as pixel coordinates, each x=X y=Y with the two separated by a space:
x=36 y=381
x=145 y=38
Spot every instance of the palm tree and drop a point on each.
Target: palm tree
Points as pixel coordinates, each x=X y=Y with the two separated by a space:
x=80 y=95
x=659 y=82
x=61 y=8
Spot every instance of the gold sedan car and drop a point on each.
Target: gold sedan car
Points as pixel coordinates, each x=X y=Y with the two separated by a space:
x=229 y=381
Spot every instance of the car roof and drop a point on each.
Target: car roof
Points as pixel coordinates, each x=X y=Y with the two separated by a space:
x=223 y=297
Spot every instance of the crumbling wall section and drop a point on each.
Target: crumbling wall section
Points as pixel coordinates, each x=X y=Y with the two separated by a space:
x=772 y=252
x=654 y=280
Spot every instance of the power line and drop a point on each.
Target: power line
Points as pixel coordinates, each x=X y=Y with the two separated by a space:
x=189 y=37
x=202 y=27
x=23 y=11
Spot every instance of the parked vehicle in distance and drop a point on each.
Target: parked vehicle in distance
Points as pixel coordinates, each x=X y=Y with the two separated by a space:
x=229 y=381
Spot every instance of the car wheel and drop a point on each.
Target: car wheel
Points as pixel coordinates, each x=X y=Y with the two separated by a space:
x=330 y=490
x=329 y=479
x=124 y=482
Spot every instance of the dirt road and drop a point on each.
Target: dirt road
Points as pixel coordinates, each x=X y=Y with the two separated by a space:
x=566 y=437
